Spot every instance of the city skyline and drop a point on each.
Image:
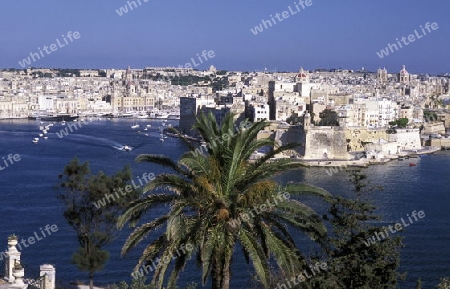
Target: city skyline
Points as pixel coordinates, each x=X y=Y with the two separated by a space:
x=309 y=33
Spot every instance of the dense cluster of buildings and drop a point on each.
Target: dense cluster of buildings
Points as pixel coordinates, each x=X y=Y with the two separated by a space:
x=23 y=92
x=364 y=104
x=362 y=101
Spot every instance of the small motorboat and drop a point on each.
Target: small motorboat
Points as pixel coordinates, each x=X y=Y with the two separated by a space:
x=161 y=139
x=412 y=164
x=149 y=125
x=45 y=137
x=126 y=148
x=41 y=135
x=35 y=140
x=134 y=126
x=63 y=122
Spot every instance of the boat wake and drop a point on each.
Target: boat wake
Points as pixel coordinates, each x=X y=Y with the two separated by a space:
x=97 y=141
x=124 y=148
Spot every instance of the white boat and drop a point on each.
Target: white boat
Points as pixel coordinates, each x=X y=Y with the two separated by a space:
x=145 y=129
x=161 y=115
x=45 y=137
x=44 y=131
x=149 y=125
x=35 y=140
x=135 y=126
x=161 y=139
x=63 y=122
x=41 y=135
x=126 y=148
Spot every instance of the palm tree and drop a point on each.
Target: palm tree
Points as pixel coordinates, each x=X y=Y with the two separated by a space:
x=219 y=198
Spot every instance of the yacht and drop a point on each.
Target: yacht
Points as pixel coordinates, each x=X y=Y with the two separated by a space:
x=161 y=115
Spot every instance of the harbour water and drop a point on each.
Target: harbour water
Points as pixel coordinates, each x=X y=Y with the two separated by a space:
x=28 y=190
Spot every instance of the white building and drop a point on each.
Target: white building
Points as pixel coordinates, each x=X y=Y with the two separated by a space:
x=259 y=111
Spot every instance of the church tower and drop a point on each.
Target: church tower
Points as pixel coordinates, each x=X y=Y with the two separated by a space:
x=382 y=75
x=404 y=75
x=307 y=122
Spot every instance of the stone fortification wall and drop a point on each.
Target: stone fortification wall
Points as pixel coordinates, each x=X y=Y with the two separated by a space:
x=408 y=139
x=404 y=139
x=433 y=127
x=326 y=142
x=357 y=137
x=440 y=142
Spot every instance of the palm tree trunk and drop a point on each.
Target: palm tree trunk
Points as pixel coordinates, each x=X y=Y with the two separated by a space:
x=216 y=276
x=226 y=276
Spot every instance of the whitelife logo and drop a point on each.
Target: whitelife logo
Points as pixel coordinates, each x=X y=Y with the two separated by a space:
x=411 y=38
x=281 y=16
x=398 y=227
x=49 y=49
x=12 y=160
x=146 y=178
x=32 y=239
x=124 y=9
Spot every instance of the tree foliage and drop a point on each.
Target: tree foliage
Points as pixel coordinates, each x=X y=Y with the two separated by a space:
x=94 y=223
x=444 y=284
x=210 y=201
x=328 y=117
x=401 y=122
x=355 y=262
x=294 y=119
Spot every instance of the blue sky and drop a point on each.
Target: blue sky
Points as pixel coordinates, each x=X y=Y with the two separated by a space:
x=327 y=34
